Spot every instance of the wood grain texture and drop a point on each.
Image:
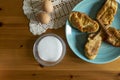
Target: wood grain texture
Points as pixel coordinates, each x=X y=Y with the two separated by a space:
x=16 y=56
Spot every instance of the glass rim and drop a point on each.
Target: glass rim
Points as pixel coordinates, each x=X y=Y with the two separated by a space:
x=35 y=51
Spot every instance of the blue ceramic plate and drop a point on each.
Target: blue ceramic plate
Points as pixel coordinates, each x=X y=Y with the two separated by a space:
x=76 y=39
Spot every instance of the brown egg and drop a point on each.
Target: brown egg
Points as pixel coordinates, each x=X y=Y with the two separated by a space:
x=47 y=6
x=43 y=17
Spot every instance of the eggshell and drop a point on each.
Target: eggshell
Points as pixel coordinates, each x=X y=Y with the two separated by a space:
x=47 y=6
x=43 y=17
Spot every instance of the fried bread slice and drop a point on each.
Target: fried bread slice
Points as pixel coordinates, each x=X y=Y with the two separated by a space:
x=114 y=39
x=83 y=22
x=107 y=12
x=93 y=45
x=110 y=34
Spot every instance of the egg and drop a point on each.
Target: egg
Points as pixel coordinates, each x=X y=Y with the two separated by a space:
x=47 y=6
x=43 y=17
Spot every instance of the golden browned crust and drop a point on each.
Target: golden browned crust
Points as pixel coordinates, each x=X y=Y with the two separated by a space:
x=114 y=39
x=92 y=46
x=83 y=22
x=107 y=12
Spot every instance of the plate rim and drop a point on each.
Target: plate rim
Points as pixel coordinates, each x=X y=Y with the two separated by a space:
x=90 y=61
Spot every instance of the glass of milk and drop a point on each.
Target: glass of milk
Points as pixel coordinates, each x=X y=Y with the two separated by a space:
x=49 y=49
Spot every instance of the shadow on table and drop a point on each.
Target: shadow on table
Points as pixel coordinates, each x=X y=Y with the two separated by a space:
x=29 y=44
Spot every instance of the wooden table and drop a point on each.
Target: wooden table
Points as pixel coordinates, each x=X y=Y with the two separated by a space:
x=16 y=57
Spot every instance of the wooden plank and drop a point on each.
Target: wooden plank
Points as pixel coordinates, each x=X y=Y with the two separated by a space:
x=59 y=75
x=13 y=20
x=11 y=8
x=16 y=56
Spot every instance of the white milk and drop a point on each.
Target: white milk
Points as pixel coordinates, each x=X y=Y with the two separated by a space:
x=50 y=49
